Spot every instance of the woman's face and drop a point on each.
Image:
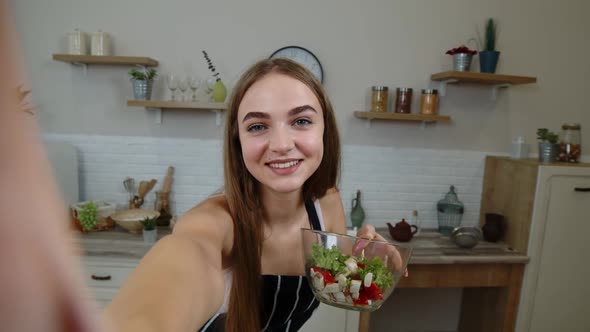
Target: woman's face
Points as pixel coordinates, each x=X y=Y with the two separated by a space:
x=281 y=128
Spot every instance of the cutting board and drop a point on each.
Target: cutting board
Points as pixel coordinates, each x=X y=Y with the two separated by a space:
x=64 y=160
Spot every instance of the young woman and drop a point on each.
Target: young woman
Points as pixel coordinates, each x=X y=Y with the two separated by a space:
x=234 y=262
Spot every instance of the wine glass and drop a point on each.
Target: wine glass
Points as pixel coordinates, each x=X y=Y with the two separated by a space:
x=172 y=82
x=182 y=85
x=194 y=82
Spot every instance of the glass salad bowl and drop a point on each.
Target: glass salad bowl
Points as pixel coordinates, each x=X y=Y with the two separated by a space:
x=350 y=272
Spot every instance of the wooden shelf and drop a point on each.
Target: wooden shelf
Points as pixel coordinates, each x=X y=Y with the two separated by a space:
x=482 y=78
x=159 y=105
x=106 y=60
x=170 y=104
x=402 y=116
x=496 y=81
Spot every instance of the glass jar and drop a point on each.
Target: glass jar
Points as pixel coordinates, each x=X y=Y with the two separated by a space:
x=162 y=205
x=379 y=96
x=403 y=100
x=429 y=102
x=450 y=212
x=570 y=144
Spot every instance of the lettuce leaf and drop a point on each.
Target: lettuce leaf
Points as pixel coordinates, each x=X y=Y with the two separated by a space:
x=382 y=277
x=328 y=259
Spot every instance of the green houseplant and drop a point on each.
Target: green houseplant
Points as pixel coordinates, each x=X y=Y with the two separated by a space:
x=548 y=146
x=142 y=80
x=488 y=56
x=150 y=232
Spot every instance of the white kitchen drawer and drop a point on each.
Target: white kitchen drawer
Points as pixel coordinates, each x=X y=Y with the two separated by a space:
x=107 y=273
x=101 y=296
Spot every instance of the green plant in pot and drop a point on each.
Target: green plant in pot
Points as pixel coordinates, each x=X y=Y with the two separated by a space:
x=488 y=56
x=143 y=80
x=150 y=232
x=548 y=146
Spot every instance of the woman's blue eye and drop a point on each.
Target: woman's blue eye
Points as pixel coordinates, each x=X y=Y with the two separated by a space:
x=256 y=127
x=302 y=122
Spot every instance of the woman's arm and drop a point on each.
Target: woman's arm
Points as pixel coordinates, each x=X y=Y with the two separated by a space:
x=179 y=284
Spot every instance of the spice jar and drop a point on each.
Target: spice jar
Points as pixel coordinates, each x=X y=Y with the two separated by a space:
x=570 y=145
x=403 y=100
x=429 y=101
x=379 y=95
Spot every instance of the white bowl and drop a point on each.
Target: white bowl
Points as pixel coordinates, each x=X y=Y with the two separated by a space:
x=131 y=219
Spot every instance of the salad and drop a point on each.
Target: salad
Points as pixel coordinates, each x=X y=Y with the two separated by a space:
x=347 y=279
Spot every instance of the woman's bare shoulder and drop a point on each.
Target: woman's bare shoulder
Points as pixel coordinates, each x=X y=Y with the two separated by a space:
x=210 y=218
x=333 y=211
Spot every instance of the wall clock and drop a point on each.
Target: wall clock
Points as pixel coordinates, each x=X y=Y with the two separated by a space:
x=303 y=57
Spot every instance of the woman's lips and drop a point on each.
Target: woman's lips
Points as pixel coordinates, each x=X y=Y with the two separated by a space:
x=284 y=167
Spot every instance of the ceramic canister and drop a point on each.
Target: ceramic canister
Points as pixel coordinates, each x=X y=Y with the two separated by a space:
x=100 y=44
x=77 y=43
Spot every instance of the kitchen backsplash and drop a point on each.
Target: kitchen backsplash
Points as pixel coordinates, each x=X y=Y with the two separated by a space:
x=393 y=181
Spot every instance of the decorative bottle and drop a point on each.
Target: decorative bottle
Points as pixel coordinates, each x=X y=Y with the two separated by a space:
x=357 y=215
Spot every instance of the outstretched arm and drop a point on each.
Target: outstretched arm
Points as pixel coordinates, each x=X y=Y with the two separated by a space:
x=179 y=284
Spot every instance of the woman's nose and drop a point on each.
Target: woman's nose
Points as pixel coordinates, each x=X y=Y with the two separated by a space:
x=281 y=141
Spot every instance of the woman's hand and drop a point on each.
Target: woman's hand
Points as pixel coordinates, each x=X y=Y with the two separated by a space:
x=378 y=249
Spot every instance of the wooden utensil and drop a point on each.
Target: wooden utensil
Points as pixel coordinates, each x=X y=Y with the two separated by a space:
x=168 y=180
x=144 y=188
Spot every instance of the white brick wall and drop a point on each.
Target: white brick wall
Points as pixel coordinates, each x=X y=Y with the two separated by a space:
x=393 y=181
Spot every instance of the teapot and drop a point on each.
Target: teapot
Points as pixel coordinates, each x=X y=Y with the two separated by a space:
x=402 y=231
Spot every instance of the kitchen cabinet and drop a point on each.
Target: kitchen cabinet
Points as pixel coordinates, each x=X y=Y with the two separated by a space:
x=105 y=275
x=110 y=257
x=547 y=208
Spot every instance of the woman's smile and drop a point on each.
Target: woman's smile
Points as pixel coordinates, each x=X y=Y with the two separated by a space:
x=285 y=167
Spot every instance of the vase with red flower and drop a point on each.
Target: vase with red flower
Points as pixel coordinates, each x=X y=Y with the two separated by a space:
x=462 y=57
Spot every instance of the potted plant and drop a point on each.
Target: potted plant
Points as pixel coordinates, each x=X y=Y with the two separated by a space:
x=215 y=84
x=548 y=146
x=462 y=56
x=150 y=232
x=488 y=57
x=142 y=80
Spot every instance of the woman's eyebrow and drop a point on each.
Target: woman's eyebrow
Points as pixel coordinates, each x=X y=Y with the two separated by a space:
x=256 y=115
x=292 y=112
x=300 y=109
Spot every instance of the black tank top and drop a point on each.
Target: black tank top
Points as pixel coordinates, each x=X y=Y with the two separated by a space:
x=287 y=301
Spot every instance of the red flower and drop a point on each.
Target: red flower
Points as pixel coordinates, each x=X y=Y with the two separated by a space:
x=461 y=49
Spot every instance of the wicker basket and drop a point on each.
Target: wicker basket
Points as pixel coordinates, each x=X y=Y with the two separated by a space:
x=104 y=211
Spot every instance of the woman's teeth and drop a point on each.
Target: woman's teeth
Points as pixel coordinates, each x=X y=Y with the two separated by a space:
x=284 y=165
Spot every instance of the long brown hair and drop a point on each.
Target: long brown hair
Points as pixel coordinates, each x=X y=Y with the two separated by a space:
x=241 y=191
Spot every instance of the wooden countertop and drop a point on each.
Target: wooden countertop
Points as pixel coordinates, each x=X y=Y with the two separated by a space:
x=117 y=243
x=429 y=247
